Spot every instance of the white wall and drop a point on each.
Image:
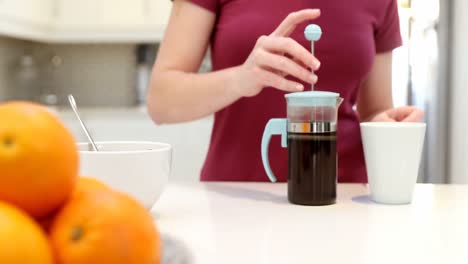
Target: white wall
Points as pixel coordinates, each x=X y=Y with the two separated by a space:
x=459 y=99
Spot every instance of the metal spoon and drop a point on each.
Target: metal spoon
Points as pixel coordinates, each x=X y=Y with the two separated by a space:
x=72 y=101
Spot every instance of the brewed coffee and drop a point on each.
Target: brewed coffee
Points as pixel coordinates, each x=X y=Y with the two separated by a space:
x=312 y=168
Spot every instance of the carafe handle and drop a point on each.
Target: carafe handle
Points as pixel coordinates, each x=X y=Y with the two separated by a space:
x=275 y=126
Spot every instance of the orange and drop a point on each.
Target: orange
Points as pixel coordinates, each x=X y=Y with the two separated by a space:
x=46 y=222
x=83 y=186
x=87 y=185
x=104 y=226
x=38 y=158
x=21 y=240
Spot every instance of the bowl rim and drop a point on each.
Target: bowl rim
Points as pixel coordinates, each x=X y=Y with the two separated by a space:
x=162 y=147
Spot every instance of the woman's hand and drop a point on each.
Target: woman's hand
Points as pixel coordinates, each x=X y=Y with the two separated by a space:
x=400 y=114
x=268 y=65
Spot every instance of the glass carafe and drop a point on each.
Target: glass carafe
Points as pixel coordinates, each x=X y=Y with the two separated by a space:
x=309 y=133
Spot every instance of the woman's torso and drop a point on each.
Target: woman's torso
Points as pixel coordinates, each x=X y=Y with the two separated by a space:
x=346 y=51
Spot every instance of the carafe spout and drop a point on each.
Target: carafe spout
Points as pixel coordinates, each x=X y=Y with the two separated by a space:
x=339 y=101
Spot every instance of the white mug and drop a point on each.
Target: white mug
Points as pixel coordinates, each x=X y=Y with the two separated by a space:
x=393 y=152
x=140 y=169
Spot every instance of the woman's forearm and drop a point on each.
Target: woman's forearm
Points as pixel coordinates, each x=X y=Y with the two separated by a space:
x=177 y=93
x=176 y=96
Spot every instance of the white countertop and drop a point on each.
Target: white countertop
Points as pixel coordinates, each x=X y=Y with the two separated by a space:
x=254 y=223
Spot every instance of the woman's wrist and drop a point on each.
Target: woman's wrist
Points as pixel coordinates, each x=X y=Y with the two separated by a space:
x=232 y=83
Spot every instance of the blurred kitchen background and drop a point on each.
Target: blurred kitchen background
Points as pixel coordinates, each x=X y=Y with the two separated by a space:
x=102 y=52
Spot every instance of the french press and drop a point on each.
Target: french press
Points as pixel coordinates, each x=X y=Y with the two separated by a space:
x=309 y=133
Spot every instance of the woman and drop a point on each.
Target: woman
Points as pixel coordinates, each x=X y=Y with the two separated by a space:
x=259 y=53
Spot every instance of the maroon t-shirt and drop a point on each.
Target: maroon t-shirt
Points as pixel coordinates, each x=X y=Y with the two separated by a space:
x=353 y=32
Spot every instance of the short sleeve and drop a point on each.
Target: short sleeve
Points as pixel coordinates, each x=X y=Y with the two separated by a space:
x=387 y=33
x=211 y=5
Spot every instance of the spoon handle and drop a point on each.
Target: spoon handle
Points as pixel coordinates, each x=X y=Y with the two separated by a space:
x=71 y=99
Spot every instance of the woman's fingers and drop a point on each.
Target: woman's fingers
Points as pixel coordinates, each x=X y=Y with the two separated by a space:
x=293 y=19
x=400 y=114
x=382 y=117
x=269 y=79
x=406 y=114
x=276 y=56
x=416 y=115
x=284 y=45
x=285 y=65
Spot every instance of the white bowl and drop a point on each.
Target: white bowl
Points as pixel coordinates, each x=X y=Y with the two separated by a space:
x=140 y=169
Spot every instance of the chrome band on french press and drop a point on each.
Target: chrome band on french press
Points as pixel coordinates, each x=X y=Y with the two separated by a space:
x=311 y=127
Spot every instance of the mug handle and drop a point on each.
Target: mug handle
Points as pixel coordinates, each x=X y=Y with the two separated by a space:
x=276 y=126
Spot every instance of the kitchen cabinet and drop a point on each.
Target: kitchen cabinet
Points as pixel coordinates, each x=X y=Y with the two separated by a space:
x=27 y=11
x=36 y=12
x=76 y=14
x=158 y=11
x=30 y=19
x=111 y=20
x=72 y=21
x=99 y=21
x=110 y=14
x=7 y=7
x=122 y=13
